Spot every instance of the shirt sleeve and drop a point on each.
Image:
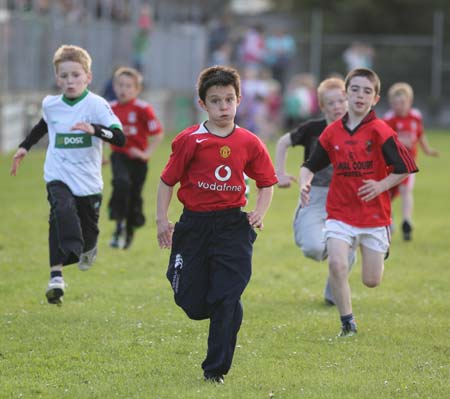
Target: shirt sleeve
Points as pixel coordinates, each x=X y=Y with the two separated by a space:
x=37 y=132
x=318 y=160
x=180 y=157
x=260 y=167
x=105 y=115
x=398 y=157
x=153 y=124
x=112 y=135
x=298 y=136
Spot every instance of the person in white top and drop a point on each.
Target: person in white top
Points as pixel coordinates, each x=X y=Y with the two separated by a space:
x=76 y=121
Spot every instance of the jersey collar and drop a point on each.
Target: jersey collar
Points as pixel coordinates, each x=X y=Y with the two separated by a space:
x=73 y=101
x=368 y=118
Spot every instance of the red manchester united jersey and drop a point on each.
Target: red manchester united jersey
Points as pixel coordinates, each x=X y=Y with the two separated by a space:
x=138 y=121
x=211 y=168
x=409 y=128
x=359 y=155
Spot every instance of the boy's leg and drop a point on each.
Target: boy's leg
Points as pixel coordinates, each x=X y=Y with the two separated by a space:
x=406 y=193
x=309 y=223
x=338 y=251
x=65 y=234
x=135 y=217
x=65 y=237
x=89 y=212
x=121 y=184
x=229 y=275
x=372 y=266
x=188 y=266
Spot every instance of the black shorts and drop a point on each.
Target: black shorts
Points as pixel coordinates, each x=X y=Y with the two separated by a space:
x=73 y=223
x=210 y=260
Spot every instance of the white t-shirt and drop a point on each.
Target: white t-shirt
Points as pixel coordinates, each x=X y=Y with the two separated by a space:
x=75 y=157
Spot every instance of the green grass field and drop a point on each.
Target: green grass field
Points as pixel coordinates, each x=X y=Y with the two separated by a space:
x=120 y=335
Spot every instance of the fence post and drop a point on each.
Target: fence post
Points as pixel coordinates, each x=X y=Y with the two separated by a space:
x=316 y=43
x=436 y=59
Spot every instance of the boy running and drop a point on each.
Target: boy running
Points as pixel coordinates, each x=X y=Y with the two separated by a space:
x=360 y=147
x=77 y=121
x=130 y=162
x=211 y=245
x=309 y=222
x=407 y=122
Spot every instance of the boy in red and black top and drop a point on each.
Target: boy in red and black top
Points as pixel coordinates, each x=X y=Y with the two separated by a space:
x=211 y=245
x=361 y=148
x=129 y=163
x=407 y=122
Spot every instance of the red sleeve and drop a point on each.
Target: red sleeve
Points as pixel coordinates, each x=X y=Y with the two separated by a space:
x=260 y=167
x=182 y=153
x=151 y=121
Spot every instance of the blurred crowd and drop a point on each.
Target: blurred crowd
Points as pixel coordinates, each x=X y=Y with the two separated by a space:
x=274 y=98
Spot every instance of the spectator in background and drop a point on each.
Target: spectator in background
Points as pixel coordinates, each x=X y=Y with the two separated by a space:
x=300 y=100
x=280 y=48
x=141 y=41
x=358 y=55
x=253 y=48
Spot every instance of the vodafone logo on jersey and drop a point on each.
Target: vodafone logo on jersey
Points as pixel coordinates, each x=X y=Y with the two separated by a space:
x=222 y=174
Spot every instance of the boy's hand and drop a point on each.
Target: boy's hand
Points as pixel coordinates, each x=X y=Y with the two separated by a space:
x=17 y=159
x=84 y=127
x=284 y=181
x=304 y=194
x=136 y=153
x=255 y=219
x=165 y=232
x=370 y=189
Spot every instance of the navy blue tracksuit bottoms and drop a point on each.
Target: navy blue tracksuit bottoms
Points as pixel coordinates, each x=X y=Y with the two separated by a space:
x=209 y=268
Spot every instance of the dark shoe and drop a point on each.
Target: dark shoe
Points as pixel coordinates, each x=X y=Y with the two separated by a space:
x=215 y=379
x=407 y=231
x=128 y=239
x=348 y=329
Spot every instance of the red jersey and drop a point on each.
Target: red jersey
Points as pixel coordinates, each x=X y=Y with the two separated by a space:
x=211 y=168
x=138 y=121
x=362 y=154
x=409 y=128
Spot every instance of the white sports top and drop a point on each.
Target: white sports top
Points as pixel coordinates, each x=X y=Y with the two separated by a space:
x=75 y=157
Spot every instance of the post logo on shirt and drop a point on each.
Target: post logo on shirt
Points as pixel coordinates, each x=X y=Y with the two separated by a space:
x=73 y=140
x=225 y=151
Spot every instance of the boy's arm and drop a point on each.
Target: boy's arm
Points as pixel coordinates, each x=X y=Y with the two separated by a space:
x=283 y=143
x=306 y=176
x=396 y=155
x=164 y=227
x=37 y=132
x=113 y=134
x=147 y=154
x=426 y=148
x=263 y=200
x=372 y=188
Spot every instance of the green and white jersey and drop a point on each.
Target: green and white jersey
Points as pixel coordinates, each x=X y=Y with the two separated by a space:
x=75 y=157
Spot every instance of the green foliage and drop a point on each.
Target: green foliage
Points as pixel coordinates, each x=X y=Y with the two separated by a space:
x=119 y=333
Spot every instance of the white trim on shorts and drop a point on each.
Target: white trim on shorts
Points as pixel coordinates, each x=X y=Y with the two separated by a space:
x=375 y=238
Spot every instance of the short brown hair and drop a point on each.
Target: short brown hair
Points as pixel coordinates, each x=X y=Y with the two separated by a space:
x=218 y=76
x=132 y=73
x=401 y=88
x=329 y=84
x=68 y=52
x=365 y=73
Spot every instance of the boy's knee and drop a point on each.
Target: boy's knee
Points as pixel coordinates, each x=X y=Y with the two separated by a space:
x=315 y=252
x=371 y=282
x=121 y=183
x=337 y=267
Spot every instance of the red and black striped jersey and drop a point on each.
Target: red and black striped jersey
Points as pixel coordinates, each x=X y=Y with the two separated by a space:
x=369 y=152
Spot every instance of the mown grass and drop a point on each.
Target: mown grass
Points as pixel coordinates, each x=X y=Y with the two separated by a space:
x=119 y=334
